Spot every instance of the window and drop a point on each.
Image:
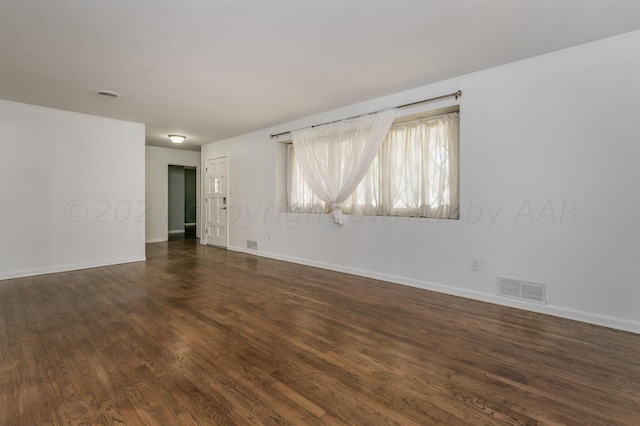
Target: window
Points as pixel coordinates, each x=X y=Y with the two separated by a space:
x=415 y=174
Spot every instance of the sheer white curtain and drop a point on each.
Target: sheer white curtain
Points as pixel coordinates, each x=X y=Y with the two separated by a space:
x=420 y=169
x=334 y=158
x=365 y=200
x=415 y=173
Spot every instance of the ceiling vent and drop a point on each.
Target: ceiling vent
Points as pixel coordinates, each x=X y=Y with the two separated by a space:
x=107 y=94
x=523 y=290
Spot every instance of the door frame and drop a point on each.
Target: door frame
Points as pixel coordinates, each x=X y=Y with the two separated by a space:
x=165 y=208
x=204 y=237
x=169 y=197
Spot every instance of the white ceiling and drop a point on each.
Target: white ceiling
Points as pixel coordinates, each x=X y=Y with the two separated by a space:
x=212 y=69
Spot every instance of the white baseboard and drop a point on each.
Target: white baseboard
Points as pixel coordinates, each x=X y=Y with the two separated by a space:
x=177 y=231
x=71 y=267
x=156 y=240
x=556 y=311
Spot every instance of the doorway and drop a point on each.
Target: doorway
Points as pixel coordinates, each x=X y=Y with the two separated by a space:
x=182 y=203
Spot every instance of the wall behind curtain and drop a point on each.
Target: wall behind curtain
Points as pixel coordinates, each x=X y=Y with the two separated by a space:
x=71 y=190
x=549 y=190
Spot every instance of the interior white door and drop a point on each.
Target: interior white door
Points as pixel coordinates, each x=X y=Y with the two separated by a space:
x=216 y=201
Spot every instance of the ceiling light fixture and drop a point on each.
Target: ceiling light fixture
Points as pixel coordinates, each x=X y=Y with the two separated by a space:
x=177 y=138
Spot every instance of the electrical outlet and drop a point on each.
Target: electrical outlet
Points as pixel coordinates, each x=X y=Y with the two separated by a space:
x=476 y=264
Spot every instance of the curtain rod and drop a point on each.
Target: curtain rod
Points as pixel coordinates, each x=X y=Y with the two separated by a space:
x=437 y=98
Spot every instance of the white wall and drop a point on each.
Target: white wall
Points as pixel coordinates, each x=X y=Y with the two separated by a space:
x=157 y=194
x=549 y=190
x=71 y=190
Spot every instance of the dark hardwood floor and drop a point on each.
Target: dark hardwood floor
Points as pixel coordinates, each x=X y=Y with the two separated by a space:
x=198 y=335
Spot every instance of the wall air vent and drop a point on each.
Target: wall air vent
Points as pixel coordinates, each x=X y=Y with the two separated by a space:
x=523 y=290
x=252 y=245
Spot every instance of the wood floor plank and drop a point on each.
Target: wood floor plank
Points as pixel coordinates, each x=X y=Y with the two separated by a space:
x=198 y=335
